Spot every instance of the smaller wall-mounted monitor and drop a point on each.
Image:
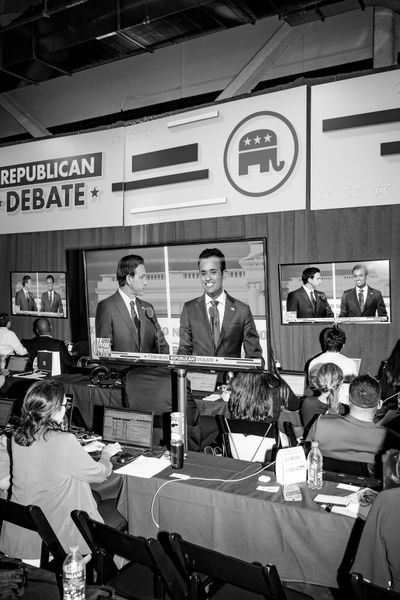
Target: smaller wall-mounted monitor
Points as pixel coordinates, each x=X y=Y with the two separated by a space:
x=337 y=292
x=39 y=294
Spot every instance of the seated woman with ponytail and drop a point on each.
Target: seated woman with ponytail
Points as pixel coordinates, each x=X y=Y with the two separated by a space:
x=51 y=470
x=327 y=383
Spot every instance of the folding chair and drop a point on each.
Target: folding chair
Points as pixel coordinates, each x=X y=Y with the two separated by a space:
x=105 y=542
x=195 y=561
x=364 y=590
x=266 y=432
x=31 y=517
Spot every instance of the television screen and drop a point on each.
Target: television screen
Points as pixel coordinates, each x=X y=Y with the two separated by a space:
x=173 y=278
x=39 y=293
x=357 y=291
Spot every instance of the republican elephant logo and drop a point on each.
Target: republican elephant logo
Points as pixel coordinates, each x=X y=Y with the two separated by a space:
x=259 y=147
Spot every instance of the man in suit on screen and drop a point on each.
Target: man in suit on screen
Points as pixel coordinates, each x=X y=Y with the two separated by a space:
x=128 y=321
x=216 y=324
x=24 y=299
x=308 y=302
x=362 y=300
x=51 y=300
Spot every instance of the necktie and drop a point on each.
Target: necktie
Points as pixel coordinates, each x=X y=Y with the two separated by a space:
x=135 y=318
x=361 y=300
x=51 y=297
x=214 y=321
x=314 y=303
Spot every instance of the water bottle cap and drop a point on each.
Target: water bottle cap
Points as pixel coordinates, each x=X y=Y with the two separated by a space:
x=74 y=549
x=314 y=444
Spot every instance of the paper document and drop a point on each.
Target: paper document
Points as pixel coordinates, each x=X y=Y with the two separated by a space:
x=144 y=466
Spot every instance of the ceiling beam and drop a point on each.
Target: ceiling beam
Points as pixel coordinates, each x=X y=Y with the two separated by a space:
x=252 y=73
x=24 y=119
x=385 y=51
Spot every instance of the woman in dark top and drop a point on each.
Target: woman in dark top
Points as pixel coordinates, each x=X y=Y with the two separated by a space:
x=389 y=374
x=260 y=396
x=328 y=380
x=389 y=377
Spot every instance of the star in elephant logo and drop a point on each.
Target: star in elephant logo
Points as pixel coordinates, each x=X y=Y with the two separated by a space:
x=261 y=153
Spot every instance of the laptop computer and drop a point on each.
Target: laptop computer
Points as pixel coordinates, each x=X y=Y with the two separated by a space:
x=202 y=384
x=296 y=380
x=357 y=362
x=133 y=429
x=6 y=406
x=17 y=364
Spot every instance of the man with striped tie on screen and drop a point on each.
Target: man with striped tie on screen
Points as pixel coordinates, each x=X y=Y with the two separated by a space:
x=308 y=302
x=362 y=300
x=128 y=321
x=216 y=324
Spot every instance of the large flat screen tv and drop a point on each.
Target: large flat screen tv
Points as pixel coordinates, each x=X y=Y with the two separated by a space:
x=173 y=279
x=354 y=292
x=39 y=294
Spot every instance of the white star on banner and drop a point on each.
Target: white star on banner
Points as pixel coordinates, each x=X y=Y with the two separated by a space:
x=352 y=191
x=381 y=189
x=325 y=193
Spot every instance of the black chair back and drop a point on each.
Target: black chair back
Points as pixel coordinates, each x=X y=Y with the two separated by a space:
x=31 y=517
x=105 y=541
x=364 y=590
x=349 y=467
x=226 y=427
x=253 y=577
x=289 y=431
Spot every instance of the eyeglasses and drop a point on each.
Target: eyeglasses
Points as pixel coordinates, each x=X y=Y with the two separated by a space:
x=217 y=451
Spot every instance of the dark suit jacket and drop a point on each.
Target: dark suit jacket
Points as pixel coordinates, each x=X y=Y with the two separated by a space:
x=374 y=304
x=237 y=328
x=55 y=307
x=115 y=322
x=23 y=302
x=300 y=302
x=156 y=389
x=45 y=342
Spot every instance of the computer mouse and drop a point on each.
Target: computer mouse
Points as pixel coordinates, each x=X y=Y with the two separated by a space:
x=123 y=458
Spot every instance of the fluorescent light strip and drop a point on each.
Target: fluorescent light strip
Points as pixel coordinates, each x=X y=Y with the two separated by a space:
x=194 y=118
x=159 y=207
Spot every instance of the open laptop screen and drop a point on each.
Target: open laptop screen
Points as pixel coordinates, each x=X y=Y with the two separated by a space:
x=128 y=427
x=6 y=406
x=296 y=380
x=17 y=364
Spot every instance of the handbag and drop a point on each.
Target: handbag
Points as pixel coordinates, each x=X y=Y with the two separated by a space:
x=12 y=578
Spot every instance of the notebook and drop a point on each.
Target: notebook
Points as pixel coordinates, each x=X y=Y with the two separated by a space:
x=133 y=429
x=296 y=380
x=17 y=364
x=6 y=406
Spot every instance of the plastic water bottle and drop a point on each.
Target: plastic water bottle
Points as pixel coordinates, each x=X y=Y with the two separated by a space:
x=315 y=464
x=74 y=575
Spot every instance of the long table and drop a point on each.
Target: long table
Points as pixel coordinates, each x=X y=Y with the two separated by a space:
x=306 y=543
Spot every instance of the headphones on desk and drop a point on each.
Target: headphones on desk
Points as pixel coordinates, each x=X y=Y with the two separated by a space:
x=104 y=377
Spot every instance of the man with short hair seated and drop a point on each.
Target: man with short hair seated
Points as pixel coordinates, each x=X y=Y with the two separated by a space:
x=333 y=340
x=45 y=341
x=355 y=437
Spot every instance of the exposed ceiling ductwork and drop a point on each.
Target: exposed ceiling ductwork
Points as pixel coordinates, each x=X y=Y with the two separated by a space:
x=43 y=39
